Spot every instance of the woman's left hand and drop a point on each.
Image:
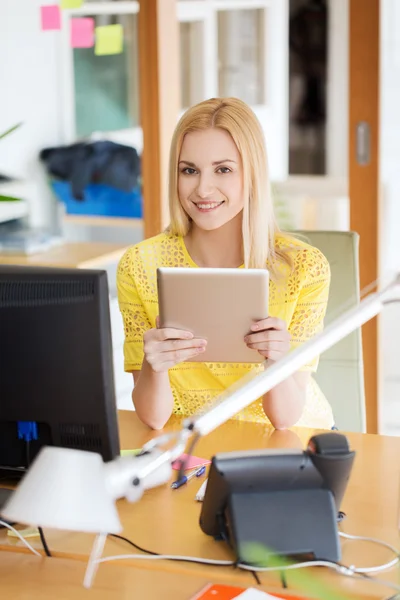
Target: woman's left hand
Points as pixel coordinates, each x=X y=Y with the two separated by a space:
x=270 y=338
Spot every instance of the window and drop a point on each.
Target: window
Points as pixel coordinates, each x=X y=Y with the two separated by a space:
x=191 y=57
x=241 y=48
x=106 y=87
x=227 y=48
x=100 y=94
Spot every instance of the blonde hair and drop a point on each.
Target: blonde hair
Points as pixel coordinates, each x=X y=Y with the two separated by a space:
x=236 y=117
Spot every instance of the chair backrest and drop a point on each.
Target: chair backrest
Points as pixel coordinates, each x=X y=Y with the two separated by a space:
x=340 y=371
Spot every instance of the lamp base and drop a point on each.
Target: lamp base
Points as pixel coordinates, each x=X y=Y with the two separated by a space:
x=291 y=522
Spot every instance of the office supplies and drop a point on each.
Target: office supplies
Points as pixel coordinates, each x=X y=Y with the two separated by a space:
x=109 y=39
x=28 y=532
x=186 y=478
x=190 y=462
x=50 y=17
x=71 y=4
x=228 y=592
x=218 y=592
x=55 y=348
x=82 y=32
x=200 y=494
x=131 y=452
x=255 y=594
x=220 y=306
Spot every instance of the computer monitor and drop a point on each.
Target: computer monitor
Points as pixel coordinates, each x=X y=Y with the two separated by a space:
x=285 y=500
x=56 y=367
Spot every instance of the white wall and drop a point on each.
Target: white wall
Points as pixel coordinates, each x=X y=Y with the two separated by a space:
x=28 y=93
x=390 y=178
x=390 y=133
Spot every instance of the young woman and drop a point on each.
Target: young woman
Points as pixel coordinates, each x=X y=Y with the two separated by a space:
x=222 y=216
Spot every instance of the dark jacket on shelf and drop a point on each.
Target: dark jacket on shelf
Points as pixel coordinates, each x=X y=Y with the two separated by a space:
x=94 y=162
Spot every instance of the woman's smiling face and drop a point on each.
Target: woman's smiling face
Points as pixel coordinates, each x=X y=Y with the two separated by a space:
x=210 y=178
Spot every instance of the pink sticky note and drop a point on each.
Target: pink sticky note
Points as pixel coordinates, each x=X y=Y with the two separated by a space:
x=192 y=462
x=82 y=33
x=50 y=17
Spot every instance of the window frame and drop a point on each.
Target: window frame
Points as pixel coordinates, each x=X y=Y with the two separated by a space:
x=274 y=108
x=67 y=79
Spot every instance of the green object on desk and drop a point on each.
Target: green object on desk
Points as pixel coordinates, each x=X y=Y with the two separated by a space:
x=131 y=452
x=306 y=583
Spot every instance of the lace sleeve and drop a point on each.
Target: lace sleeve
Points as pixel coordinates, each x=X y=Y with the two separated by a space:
x=308 y=316
x=134 y=316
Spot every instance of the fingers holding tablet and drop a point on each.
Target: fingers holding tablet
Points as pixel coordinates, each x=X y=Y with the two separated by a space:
x=270 y=338
x=167 y=347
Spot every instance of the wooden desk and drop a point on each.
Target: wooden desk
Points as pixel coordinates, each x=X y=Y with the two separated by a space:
x=166 y=521
x=26 y=577
x=82 y=255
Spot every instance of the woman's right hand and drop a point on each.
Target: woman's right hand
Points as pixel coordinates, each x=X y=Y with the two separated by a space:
x=166 y=347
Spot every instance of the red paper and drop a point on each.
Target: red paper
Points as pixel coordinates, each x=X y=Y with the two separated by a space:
x=82 y=33
x=219 y=592
x=228 y=592
x=192 y=463
x=50 y=17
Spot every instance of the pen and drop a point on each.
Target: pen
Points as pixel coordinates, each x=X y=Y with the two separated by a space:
x=186 y=478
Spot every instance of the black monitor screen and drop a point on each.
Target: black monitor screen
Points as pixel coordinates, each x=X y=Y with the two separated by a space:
x=56 y=369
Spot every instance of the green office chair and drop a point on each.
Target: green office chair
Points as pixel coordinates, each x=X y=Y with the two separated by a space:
x=340 y=371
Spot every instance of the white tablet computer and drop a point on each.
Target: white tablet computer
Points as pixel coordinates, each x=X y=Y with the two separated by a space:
x=218 y=305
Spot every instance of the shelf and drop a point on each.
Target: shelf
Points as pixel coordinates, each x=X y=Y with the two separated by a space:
x=98 y=221
x=82 y=255
x=12 y=210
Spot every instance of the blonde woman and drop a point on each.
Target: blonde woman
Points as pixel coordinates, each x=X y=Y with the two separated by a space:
x=222 y=216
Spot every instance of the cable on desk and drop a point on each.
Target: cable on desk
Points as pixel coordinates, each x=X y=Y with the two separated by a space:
x=191 y=559
x=155 y=555
x=17 y=533
x=44 y=543
x=339 y=568
x=28 y=462
x=128 y=541
x=378 y=568
x=359 y=573
x=124 y=539
x=256 y=577
x=150 y=552
x=283 y=579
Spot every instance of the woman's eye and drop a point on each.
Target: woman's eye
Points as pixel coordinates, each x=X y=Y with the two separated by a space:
x=224 y=170
x=188 y=171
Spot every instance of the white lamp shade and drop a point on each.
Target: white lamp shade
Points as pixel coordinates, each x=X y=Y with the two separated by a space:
x=64 y=489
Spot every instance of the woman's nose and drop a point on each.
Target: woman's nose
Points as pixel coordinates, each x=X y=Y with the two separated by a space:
x=205 y=187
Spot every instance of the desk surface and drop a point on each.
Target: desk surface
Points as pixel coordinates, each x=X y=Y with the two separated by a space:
x=69 y=255
x=166 y=521
x=26 y=577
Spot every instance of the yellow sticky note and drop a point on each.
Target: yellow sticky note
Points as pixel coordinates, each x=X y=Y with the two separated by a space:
x=130 y=452
x=109 y=40
x=71 y=4
x=28 y=532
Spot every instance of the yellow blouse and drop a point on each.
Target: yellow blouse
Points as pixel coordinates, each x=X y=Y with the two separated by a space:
x=298 y=296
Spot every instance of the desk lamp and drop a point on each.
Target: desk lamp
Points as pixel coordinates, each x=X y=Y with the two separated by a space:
x=75 y=490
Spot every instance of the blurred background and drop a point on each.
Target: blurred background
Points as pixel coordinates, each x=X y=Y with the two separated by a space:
x=90 y=92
